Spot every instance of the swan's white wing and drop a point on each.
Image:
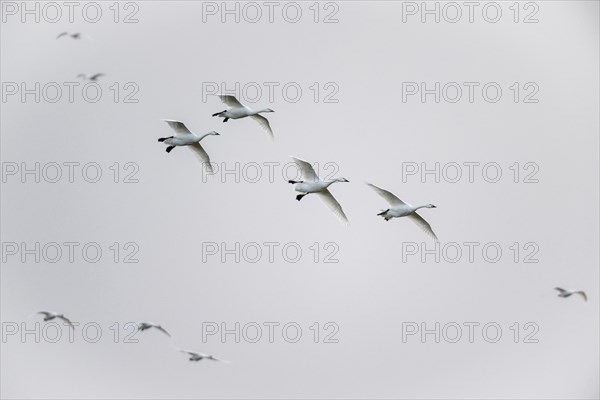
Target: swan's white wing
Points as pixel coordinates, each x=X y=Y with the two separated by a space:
x=191 y=353
x=160 y=328
x=388 y=196
x=68 y=321
x=202 y=155
x=417 y=219
x=332 y=203
x=45 y=313
x=561 y=290
x=62 y=34
x=308 y=173
x=264 y=123
x=178 y=126
x=218 y=359
x=231 y=101
x=582 y=293
x=96 y=76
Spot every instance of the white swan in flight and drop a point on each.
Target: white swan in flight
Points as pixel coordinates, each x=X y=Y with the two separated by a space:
x=76 y=35
x=142 y=326
x=91 y=78
x=49 y=316
x=398 y=209
x=311 y=183
x=184 y=137
x=237 y=110
x=195 y=356
x=567 y=293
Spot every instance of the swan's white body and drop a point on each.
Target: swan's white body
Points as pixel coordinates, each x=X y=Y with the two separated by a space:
x=76 y=35
x=185 y=137
x=311 y=183
x=399 y=209
x=315 y=187
x=237 y=110
x=195 y=356
x=566 y=293
x=49 y=316
x=91 y=78
x=142 y=326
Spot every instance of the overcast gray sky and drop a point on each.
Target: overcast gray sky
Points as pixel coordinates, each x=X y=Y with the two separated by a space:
x=343 y=97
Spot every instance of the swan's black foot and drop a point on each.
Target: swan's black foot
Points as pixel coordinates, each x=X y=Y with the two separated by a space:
x=162 y=139
x=300 y=196
x=170 y=148
x=225 y=119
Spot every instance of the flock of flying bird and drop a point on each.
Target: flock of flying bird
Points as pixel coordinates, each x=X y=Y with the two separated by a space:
x=141 y=326
x=311 y=184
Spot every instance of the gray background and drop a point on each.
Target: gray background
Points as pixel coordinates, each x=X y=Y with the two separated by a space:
x=369 y=133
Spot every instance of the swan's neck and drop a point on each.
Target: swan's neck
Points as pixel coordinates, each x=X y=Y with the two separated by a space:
x=329 y=182
x=203 y=136
x=423 y=206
